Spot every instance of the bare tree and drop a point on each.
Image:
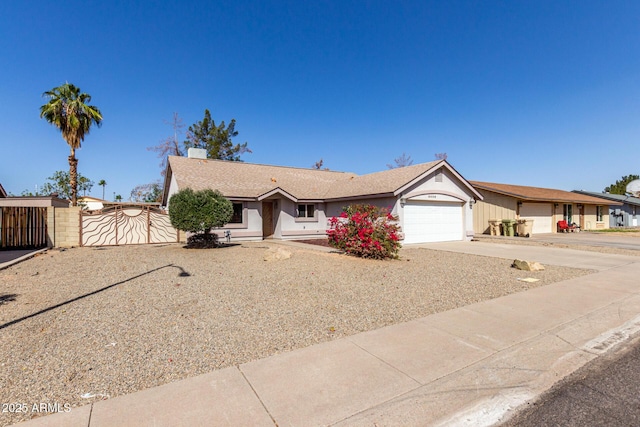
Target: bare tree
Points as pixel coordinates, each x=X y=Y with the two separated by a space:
x=318 y=165
x=147 y=193
x=170 y=146
x=401 y=162
x=441 y=156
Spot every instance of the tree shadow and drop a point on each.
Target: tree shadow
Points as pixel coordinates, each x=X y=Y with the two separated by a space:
x=5 y=298
x=218 y=246
x=182 y=273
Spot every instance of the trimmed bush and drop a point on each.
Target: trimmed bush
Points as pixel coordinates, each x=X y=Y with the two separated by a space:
x=198 y=212
x=366 y=231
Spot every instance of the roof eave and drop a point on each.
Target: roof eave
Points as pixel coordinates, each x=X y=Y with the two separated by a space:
x=360 y=196
x=547 y=199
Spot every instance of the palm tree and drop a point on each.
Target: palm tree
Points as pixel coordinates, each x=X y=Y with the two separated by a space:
x=103 y=184
x=68 y=110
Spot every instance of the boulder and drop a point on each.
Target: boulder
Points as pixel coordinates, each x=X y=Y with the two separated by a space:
x=276 y=254
x=527 y=265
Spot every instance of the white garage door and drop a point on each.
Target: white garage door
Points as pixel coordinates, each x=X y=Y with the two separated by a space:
x=541 y=214
x=432 y=222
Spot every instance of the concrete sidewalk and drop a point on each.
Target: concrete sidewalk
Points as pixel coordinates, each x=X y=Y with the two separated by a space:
x=468 y=366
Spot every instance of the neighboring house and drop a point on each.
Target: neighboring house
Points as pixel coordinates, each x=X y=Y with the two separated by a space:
x=545 y=206
x=3 y=194
x=433 y=201
x=91 y=203
x=619 y=216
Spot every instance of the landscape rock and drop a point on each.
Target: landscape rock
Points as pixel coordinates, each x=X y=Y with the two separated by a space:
x=527 y=265
x=277 y=254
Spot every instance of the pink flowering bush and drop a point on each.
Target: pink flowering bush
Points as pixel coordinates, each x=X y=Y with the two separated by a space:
x=366 y=231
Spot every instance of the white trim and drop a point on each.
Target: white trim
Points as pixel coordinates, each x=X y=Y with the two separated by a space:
x=275 y=191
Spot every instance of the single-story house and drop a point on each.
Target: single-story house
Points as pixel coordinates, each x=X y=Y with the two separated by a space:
x=619 y=216
x=545 y=206
x=432 y=200
x=91 y=203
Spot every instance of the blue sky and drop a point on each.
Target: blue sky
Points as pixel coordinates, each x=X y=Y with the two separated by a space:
x=540 y=93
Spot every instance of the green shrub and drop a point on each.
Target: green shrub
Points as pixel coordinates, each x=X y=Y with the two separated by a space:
x=198 y=212
x=365 y=231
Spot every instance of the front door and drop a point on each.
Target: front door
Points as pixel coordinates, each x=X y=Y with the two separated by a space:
x=267 y=219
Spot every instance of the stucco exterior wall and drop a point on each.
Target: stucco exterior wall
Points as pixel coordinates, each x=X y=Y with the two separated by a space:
x=442 y=186
x=251 y=227
x=336 y=208
x=292 y=227
x=590 y=218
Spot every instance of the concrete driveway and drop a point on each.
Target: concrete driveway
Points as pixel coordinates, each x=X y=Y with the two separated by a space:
x=614 y=240
x=8 y=258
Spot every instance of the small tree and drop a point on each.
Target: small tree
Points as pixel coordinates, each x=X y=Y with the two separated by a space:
x=147 y=193
x=198 y=212
x=620 y=187
x=366 y=231
x=60 y=183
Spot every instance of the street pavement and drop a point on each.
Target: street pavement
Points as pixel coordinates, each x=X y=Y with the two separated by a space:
x=605 y=392
x=613 y=240
x=473 y=366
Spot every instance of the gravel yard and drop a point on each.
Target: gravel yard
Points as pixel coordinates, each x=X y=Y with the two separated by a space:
x=115 y=320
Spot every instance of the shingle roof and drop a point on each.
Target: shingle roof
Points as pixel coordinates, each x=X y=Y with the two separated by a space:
x=540 y=194
x=616 y=197
x=248 y=180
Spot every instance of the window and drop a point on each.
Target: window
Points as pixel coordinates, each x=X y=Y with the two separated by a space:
x=236 y=218
x=568 y=213
x=598 y=213
x=306 y=211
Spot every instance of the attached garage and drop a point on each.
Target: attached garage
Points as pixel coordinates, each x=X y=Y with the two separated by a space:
x=432 y=221
x=541 y=214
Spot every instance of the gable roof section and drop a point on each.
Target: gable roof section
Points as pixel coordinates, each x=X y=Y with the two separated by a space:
x=248 y=180
x=3 y=193
x=537 y=194
x=393 y=182
x=630 y=200
x=253 y=181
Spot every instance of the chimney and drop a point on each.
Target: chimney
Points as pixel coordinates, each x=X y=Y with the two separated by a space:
x=197 y=153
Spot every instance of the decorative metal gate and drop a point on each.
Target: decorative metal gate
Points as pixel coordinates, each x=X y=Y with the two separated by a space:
x=126 y=225
x=23 y=227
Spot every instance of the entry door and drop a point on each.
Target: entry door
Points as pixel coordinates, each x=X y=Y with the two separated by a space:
x=267 y=219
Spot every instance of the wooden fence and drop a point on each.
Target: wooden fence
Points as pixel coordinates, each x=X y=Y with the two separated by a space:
x=23 y=227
